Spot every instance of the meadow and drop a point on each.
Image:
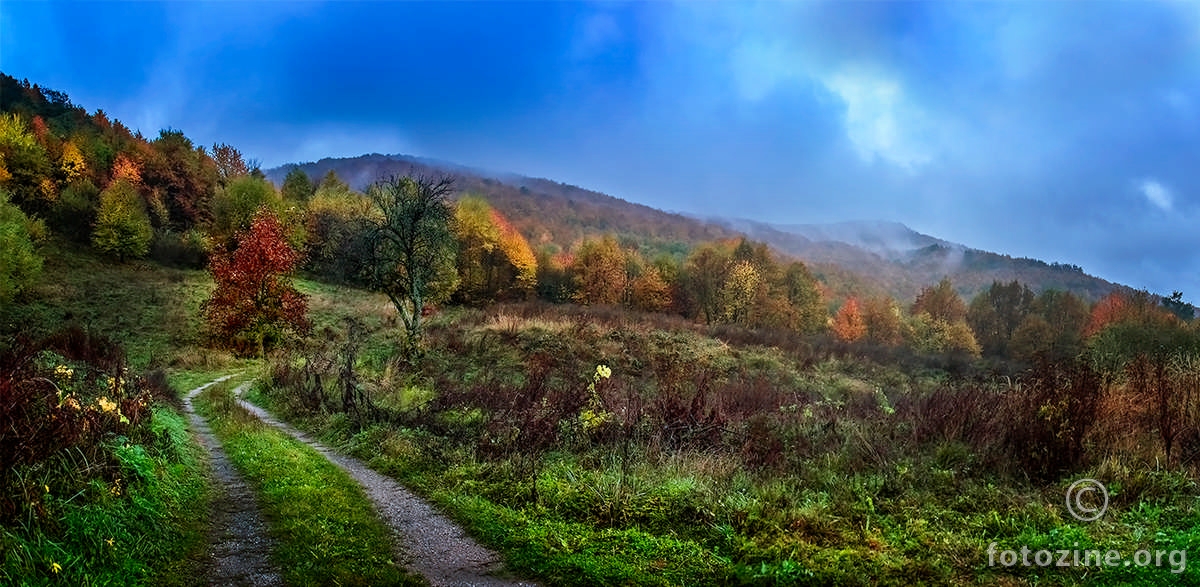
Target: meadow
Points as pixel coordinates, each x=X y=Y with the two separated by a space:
x=597 y=445
x=593 y=445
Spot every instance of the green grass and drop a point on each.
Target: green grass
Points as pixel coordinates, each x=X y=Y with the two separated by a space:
x=147 y=533
x=327 y=532
x=153 y=311
x=700 y=519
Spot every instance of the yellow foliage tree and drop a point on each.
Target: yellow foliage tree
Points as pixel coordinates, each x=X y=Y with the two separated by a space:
x=737 y=294
x=882 y=316
x=927 y=334
x=478 y=240
x=600 y=276
x=25 y=161
x=517 y=253
x=495 y=261
x=72 y=163
x=649 y=292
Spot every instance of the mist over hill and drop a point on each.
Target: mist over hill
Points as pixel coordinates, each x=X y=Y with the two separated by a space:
x=870 y=257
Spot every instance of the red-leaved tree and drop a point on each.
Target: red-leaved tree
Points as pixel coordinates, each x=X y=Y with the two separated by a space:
x=255 y=302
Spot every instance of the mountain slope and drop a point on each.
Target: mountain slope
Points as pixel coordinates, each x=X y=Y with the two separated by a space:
x=851 y=258
x=550 y=214
x=901 y=261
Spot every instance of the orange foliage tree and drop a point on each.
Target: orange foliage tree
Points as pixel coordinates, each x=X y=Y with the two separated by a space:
x=848 y=323
x=649 y=292
x=127 y=169
x=517 y=253
x=941 y=302
x=1137 y=308
x=1111 y=309
x=255 y=302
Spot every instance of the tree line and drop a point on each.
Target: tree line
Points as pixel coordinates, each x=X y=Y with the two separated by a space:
x=423 y=243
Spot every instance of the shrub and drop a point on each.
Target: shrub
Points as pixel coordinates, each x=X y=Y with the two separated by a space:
x=186 y=250
x=255 y=303
x=68 y=393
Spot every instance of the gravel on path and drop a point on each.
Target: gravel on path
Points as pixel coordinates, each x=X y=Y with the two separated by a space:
x=433 y=545
x=239 y=545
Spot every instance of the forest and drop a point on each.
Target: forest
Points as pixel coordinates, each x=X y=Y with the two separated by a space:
x=601 y=400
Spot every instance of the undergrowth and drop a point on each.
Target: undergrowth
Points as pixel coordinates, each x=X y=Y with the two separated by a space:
x=101 y=484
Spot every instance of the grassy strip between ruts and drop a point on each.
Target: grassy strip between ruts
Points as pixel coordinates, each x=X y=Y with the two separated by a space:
x=326 y=530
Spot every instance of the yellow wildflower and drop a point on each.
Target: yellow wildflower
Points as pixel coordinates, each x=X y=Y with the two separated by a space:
x=106 y=405
x=109 y=542
x=64 y=371
x=55 y=568
x=603 y=371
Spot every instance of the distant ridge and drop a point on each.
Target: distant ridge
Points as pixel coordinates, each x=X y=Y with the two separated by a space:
x=902 y=261
x=865 y=257
x=550 y=214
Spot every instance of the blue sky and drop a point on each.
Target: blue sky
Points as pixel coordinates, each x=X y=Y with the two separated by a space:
x=1063 y=131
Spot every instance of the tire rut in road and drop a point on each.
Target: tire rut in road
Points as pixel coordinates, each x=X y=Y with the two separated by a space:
x=239 y=545
x=433 y=545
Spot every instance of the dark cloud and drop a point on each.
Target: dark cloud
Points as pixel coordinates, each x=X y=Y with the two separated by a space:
x=1027 y=128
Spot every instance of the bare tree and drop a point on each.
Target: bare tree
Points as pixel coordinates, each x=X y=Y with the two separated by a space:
x=411 y=248
x=230 y=164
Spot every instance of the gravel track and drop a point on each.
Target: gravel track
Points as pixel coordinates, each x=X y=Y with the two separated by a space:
x=432 y=544
x=239 y=546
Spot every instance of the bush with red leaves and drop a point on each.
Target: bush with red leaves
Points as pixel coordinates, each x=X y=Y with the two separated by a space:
x=255 y=302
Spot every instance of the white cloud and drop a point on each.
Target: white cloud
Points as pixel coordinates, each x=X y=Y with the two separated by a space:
x=1156 y=193
x=878 y=121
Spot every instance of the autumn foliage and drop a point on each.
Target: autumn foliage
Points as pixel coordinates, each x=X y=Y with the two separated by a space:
x=600 y=276
x=1111 y=309
x=255 y=301
x=848 y=323
x=517 y=252
x=495 y=262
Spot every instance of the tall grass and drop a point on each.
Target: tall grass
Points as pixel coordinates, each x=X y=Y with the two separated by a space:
x=100 y=483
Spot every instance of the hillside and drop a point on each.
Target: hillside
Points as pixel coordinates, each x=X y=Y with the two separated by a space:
x=851 y=258
x=549 y=214
x=901 y=261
